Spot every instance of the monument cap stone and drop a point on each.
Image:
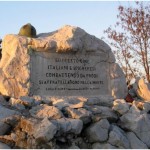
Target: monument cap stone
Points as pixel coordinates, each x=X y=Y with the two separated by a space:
x=66 y=62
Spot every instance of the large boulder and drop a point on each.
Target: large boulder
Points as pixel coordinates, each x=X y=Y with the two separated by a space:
x=142 y=89
x=15 y=65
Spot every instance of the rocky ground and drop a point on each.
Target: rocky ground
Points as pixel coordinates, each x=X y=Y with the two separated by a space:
x=35 y=122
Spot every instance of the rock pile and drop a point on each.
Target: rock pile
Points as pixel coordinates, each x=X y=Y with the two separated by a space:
x=41 y=122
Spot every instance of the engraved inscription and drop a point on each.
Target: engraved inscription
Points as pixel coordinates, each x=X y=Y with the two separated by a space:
x=55 y=74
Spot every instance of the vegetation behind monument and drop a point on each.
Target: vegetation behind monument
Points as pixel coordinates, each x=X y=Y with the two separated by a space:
x=130 y=38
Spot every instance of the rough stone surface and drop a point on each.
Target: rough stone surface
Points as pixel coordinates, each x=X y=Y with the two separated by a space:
x=4 y=128
x=139 y=124
x=44 y=110
x=119 y=88
x=17 y=51
x=142 y=89
x=117 y=137
x=4 y=146
x=102 y=112
x=81 y=113
x=98 y=132
x=69 y=125
x=120 y=106
x=135 y=143
x=103 y=146
x=5 y=113
x=45 y=131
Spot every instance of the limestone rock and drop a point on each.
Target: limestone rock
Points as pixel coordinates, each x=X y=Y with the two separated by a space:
x=15 y=65
x=80 y=113
x=4 y=146
x=142 y=89
x=102 y=112
x=98 y=132
x=17 y=103
x=4 y=128
x=117 y=137
x=5 y=113
x=120 y=106
x=43 y=111
x=27 y=101
x=66 y=125
x=103 y=146
x=118 y=81
x=45 y=131
x=135 y=143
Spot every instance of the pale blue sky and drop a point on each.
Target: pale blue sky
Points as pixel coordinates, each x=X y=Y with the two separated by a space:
x=48 y=16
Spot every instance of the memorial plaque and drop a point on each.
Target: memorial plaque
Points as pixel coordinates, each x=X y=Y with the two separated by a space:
x=55 y=74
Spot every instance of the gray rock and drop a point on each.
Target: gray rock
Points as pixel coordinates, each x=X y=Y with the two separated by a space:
x=117 y=137
x=5 y=113
x=45 y=131
x=135 y=143
x=102 y=112
x=139 y=124
x=4 y=146
x=44 y=110
x=98 y=132
x=103 y=146
x=68 y=125
x=80 y=113
x=4 y=128
x=121 y=106
x=28 y=101
x=17 y=103
x=119 y=88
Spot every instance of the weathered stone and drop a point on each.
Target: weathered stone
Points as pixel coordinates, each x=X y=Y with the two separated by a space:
x=28 y=125
x=101 y=100
x=103 y=146
x=102 y=112
x=66 y=125
x=45 y=131
x=4 y=146
x=5 y=113
x=4 y=128
x=3 y=101
x=135 y=143
x=21 y=75
x=17 y=103
x=27 y=101
x=121 y=106
x=43 y=111
x=81 y=113
x=119 y=87
x=142 y=89
x=117 y=137
x=139 y=124
x=98 y=132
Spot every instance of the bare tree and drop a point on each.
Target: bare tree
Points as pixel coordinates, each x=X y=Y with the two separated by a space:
x=131 y=40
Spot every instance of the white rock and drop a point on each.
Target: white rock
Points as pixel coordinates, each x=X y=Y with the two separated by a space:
x=102 y=112
x=139 y=124
x=98 y=132
x=68 y=125
x=103 y=146
x=118 y=82
x=4 y=146
x=15 y=66
x=45 y=131
x=80 y=113
x=44 y=110
x=121 y=106
x=135 y=143
x=142 y=89
x=117 y=137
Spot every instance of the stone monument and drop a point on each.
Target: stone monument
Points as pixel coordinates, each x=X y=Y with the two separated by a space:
x=66 y=62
